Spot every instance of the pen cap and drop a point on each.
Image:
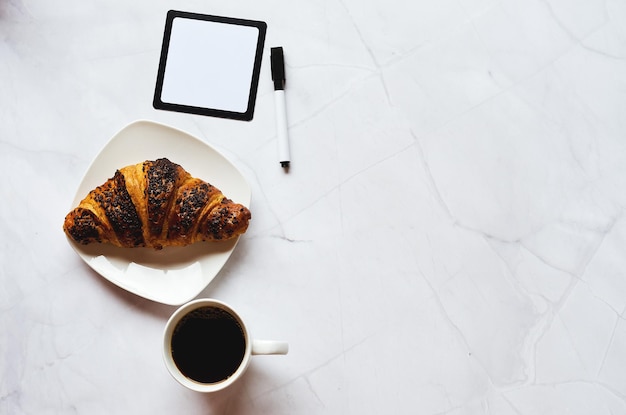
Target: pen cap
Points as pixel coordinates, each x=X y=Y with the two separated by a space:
x=278 y=68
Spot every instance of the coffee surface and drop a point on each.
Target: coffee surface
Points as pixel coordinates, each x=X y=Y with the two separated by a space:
x=208 y=345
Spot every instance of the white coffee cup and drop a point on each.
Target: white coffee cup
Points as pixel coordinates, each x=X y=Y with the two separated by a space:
x=207 y=346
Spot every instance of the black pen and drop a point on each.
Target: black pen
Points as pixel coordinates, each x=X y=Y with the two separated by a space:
x=278 y=76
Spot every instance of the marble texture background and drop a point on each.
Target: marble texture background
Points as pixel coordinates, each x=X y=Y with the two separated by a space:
x=450 y=238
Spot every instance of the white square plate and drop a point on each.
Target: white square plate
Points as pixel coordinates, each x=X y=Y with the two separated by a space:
x=173 y=275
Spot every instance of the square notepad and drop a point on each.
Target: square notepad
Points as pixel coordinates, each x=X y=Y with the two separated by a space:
x=209 y=65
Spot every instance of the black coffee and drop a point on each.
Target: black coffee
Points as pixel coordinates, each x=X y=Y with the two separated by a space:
x=208 y=345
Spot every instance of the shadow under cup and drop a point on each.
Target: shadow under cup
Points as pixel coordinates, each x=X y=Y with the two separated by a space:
x=206 y=345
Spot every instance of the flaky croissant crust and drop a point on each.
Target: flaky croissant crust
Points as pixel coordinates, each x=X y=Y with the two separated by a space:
x=155 y=204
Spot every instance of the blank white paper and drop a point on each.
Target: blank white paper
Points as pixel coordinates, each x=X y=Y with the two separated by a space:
x=209 y=64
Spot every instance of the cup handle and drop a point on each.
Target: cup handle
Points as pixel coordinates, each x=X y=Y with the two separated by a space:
x=269 y=347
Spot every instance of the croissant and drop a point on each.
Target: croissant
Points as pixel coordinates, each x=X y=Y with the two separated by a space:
x=155 y=204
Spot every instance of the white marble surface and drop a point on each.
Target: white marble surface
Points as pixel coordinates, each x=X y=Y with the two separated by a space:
x=449 y=240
